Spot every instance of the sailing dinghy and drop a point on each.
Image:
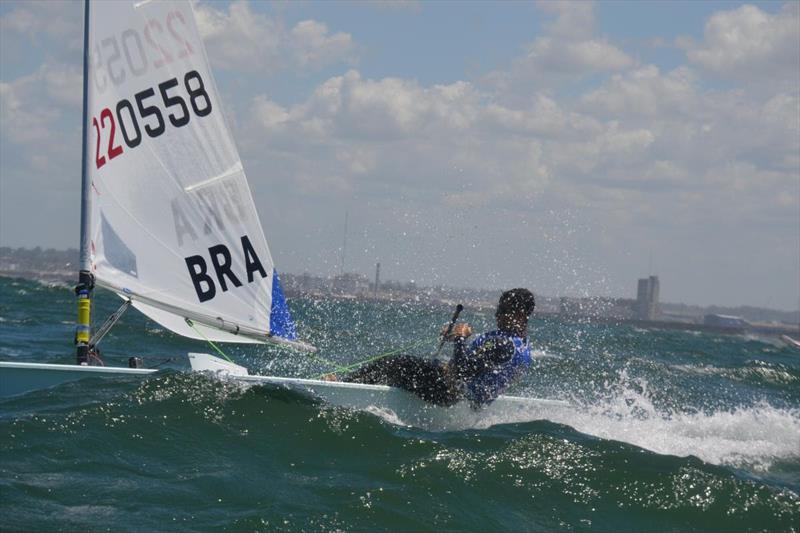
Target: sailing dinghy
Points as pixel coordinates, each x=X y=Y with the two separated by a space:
x=167 y=219
x=168 y=222
x=393 y=404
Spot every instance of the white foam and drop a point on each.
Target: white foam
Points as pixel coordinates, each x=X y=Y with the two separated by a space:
x=753 y=437
x=386 y=414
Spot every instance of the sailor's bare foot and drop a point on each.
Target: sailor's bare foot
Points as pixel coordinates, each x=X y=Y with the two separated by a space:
x=330 y=377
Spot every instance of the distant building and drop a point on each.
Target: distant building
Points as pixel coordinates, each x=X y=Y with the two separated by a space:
x=303 y=283
x=350 y=283
x=646 y=306
x=724 y=321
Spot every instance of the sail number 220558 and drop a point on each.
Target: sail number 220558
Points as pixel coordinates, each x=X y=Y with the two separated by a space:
x=148 y=108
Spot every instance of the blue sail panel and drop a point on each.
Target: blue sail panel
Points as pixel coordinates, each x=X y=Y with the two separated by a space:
x=280 y=320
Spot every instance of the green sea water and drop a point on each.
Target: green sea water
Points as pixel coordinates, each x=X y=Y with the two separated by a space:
x=669 y=431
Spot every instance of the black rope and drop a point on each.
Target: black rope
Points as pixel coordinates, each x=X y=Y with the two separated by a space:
x=165 y=361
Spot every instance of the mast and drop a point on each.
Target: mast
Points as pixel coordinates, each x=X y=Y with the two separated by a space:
x=85 y=286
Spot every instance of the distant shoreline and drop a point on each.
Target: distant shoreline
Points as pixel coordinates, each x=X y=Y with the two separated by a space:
x=61 y=266
x=35 y=275
x=772 y=330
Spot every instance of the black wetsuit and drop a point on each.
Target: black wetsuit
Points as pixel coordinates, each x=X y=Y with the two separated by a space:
x=435 y=381
x=427 y=378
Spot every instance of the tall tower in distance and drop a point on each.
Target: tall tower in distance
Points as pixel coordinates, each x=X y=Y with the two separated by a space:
x=377 y=279
x=344 y=243
x=647 y=298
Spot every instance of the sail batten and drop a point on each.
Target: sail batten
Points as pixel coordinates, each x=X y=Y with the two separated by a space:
x=230 y=172
x=174 y=225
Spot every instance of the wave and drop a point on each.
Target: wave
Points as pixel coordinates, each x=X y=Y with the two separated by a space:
x=758 y=371
x=754 y=437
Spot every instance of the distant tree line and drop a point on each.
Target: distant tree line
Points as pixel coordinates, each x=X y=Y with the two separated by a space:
x=37 y=259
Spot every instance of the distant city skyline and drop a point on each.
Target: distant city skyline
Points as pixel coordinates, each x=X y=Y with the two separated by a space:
x=569 y=147
x=645 y=304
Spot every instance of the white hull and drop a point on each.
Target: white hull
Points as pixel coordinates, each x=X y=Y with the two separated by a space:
x=19 y=378
x=393 y=404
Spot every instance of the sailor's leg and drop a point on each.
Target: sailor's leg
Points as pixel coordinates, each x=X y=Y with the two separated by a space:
x=428 y=380
x=424 y=377
x=380 y=372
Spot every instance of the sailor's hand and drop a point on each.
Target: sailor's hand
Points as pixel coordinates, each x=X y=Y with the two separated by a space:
x=459 y=330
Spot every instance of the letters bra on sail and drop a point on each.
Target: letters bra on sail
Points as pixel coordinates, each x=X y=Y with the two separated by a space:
x=174 y=225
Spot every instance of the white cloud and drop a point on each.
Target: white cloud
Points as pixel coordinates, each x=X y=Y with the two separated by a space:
x=269 y=114
x=643 y=148
x=567 y=52
x=242 y=39
x=547 y=54
x=390 y=134
x=312 y=45
x=426 y=140
x=238 y=39
x=747 y=42
x=58 y=20
x=703 y=128
x=31 y=106
x=574 y=20
x=352 y=107
x=544 y=117
x=28 y=26
x=644 y=91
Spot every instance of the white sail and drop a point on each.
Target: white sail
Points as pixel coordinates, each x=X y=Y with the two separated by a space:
x=174 y=226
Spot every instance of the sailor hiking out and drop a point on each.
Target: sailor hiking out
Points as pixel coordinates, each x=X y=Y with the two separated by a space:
x=478 y=372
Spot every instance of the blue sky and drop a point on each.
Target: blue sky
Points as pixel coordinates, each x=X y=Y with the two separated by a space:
x=555 y=145
x=443 y=42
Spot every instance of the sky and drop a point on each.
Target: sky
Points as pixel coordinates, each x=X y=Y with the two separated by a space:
x=569 y=147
